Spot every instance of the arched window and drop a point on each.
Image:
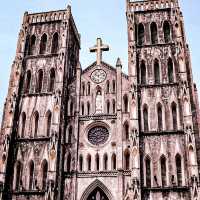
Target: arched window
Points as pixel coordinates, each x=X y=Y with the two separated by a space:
x=148 y=172
x=125 y=103
x=114 y=86
x=154 y=33
x=167 y=32
x=32 y=45
x=105 y=162
x=39 y=81
x=89 y=162
x=28 y=81
x=127 y=160
x=170 y=71
x=174 y=116
x=23 y=125
x=108 y=107
x=163 y=171
x=48 y=123
x=97 y=161
x=31 y=175
x=160 y=119
x=70 y=132
x=81 y=163
x=140 y=34
x=88 y=88
x=43 y=44
x=157 y=72
x=69 y=158
x=52 y=80
x=18 y=175
x=44 y=174
x=88 y=108
x=83 y=109
x=83 y=88
x=179 y=170
x=143 y=75
x=36 y=122
x=54 y=48
x=146 y=118
x=126 y=131
x=108 y=87
x=114 y=106
x=71 y=108
x=114 y=162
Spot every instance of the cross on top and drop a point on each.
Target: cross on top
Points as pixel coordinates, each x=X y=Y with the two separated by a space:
x=99 y=48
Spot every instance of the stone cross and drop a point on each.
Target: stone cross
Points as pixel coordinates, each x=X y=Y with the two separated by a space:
x=99 y=48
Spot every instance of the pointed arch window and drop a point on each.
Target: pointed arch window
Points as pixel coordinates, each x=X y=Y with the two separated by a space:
x=19 y=169
x=154 y=33
x=31 y=175
x=97 y=161
x=48 y=123
x=125 y=103
x=39 y=81
x=88 y=108
x=108 y=107
x=157 y=72
x=52 y=80
x=108 y=87
x=163 y=171
x=43 y=44
x=170 y=71
x=69 y=158
x=54 y=48
x=167 y=32
x=83 y=89
x=143 y=76
x=36 y=122
x=71 y=108
x=32 y=45
x=70 y=132
x=89 y=162
x=141 y=34
x=105 y=162
x=23 y=125
x=126 y=131
x=114 y=86
x=114 y=162
x=88 y=88
x=145 y=118
x=114 y=106
x=179 y=170
x=127 y=160
x=82 y=109
x=160 y=118
x=174 y=116
x=44 y=174
x=81 y=163
x=148 y=172
x=28 y=81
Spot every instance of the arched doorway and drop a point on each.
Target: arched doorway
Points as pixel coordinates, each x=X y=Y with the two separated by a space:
x=97 y=194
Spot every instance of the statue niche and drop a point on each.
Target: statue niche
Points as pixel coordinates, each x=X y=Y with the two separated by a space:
x=99 y=101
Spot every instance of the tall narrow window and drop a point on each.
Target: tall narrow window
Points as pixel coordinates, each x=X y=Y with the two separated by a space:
x=160 y=119
x=97 y=162
x=83 y=89
x=83 y=109
x=174 y=116
x=36 y=122
x=167 y=32
x=70 y=132
x=127 y=160
x=179 y=170
x=18 y=175
x=88 y=108
x=108 y=107
x=154 y=33
x=114 y=162
x=44 y=174
x=148 y=172
x=52 y=80
x=88 y=88
x=108 y=87
x=143 y=75
x=157 y=72
x=105 y=162
x=163 y=171
x=43 y=44
x=89 y=162
x=145 y=118
x=170 y=71
x=28 y=82
x=114 y=86
x=32 y=45
x=31 y=175
x=114 y=106
x=71 y=109
x=54 y=48
x=23 y=125
x=48 y=123
x=81 y=163
x=125 y=103
x=140 y=34
x=126 y=131
x=39 y=81
x=69 y=163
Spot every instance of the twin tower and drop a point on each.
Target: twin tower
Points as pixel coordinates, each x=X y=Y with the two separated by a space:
x=97 y=133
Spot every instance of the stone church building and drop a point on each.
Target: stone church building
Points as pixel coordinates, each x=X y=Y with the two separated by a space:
x=93 y=132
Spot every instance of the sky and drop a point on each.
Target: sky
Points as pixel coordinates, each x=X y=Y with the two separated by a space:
x=94 y=18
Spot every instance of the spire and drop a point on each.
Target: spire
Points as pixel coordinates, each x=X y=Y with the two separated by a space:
x=119 y=63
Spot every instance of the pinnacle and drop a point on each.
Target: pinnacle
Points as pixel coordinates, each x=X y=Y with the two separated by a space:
x=119 y=63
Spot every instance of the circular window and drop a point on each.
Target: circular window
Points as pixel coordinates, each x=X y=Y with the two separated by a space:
x=98 y=135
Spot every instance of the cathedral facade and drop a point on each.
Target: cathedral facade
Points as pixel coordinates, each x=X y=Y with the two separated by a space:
x=96 y=133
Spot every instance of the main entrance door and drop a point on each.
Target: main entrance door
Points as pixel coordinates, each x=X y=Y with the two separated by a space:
x=97 y=194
